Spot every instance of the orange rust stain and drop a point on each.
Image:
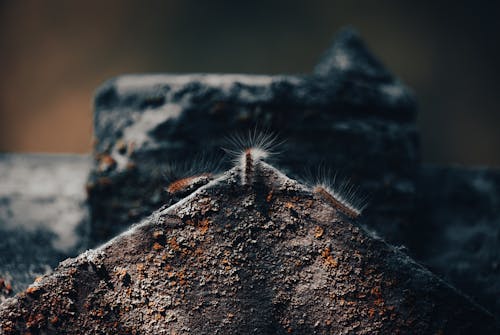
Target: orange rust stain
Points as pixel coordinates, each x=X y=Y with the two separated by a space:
x=289 y=205
x=269 y=196
x=198 y=252
x=173 y=244
x=157 y=246
x=379 y=302
x=32 y=289
x=375 y=291
x=121 y=273
x=329 y=260
x=105 y=162
x=203 y=225
x=182 y=278
x=35 y=320
x=318 y=232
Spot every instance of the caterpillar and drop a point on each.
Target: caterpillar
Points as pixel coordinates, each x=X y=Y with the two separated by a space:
x=249 y=150
x=341 y=195
x=187 y=176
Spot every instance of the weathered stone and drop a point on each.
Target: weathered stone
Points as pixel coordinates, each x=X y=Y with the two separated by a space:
x=351 y=116
x=349 y=54
x=43 y=217
x=456 y=231
x=267 y=258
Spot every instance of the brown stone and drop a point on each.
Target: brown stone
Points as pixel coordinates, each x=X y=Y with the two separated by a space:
x=257 y=268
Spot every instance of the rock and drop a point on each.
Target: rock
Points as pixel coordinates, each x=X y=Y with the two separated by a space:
x=269 y=257
x=349 y=54
x=457 y=229
x=43 y=217
x=356 y=119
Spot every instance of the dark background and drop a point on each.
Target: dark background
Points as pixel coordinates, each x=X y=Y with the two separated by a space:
x=53 y=55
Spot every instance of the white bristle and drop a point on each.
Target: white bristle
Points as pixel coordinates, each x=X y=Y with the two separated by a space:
x=342 y=191
x=250 y=149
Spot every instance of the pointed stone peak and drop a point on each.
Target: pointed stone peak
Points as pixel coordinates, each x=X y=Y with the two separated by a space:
x=240 y=255
x=348 y=54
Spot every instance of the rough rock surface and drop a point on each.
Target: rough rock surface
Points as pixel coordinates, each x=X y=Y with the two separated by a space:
x=267 y=258
x=350 y=115
x=351 y=111
x=43 y=217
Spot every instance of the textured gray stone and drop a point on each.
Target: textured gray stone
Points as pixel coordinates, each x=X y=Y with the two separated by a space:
x=351 y=116
x=270 y=257
x=43 y=216
x=456 y=232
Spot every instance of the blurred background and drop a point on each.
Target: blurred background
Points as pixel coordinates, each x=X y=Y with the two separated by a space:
x=54 y=54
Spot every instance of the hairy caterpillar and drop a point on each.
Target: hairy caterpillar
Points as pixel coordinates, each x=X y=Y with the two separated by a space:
x=187 y=176
x=249 y=150
x=340 y=194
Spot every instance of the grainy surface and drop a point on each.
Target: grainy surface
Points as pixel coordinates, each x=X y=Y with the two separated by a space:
x=229 y=259
x=43 y=216
x=457 y=229
x=351 y=111
x=269 y=258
